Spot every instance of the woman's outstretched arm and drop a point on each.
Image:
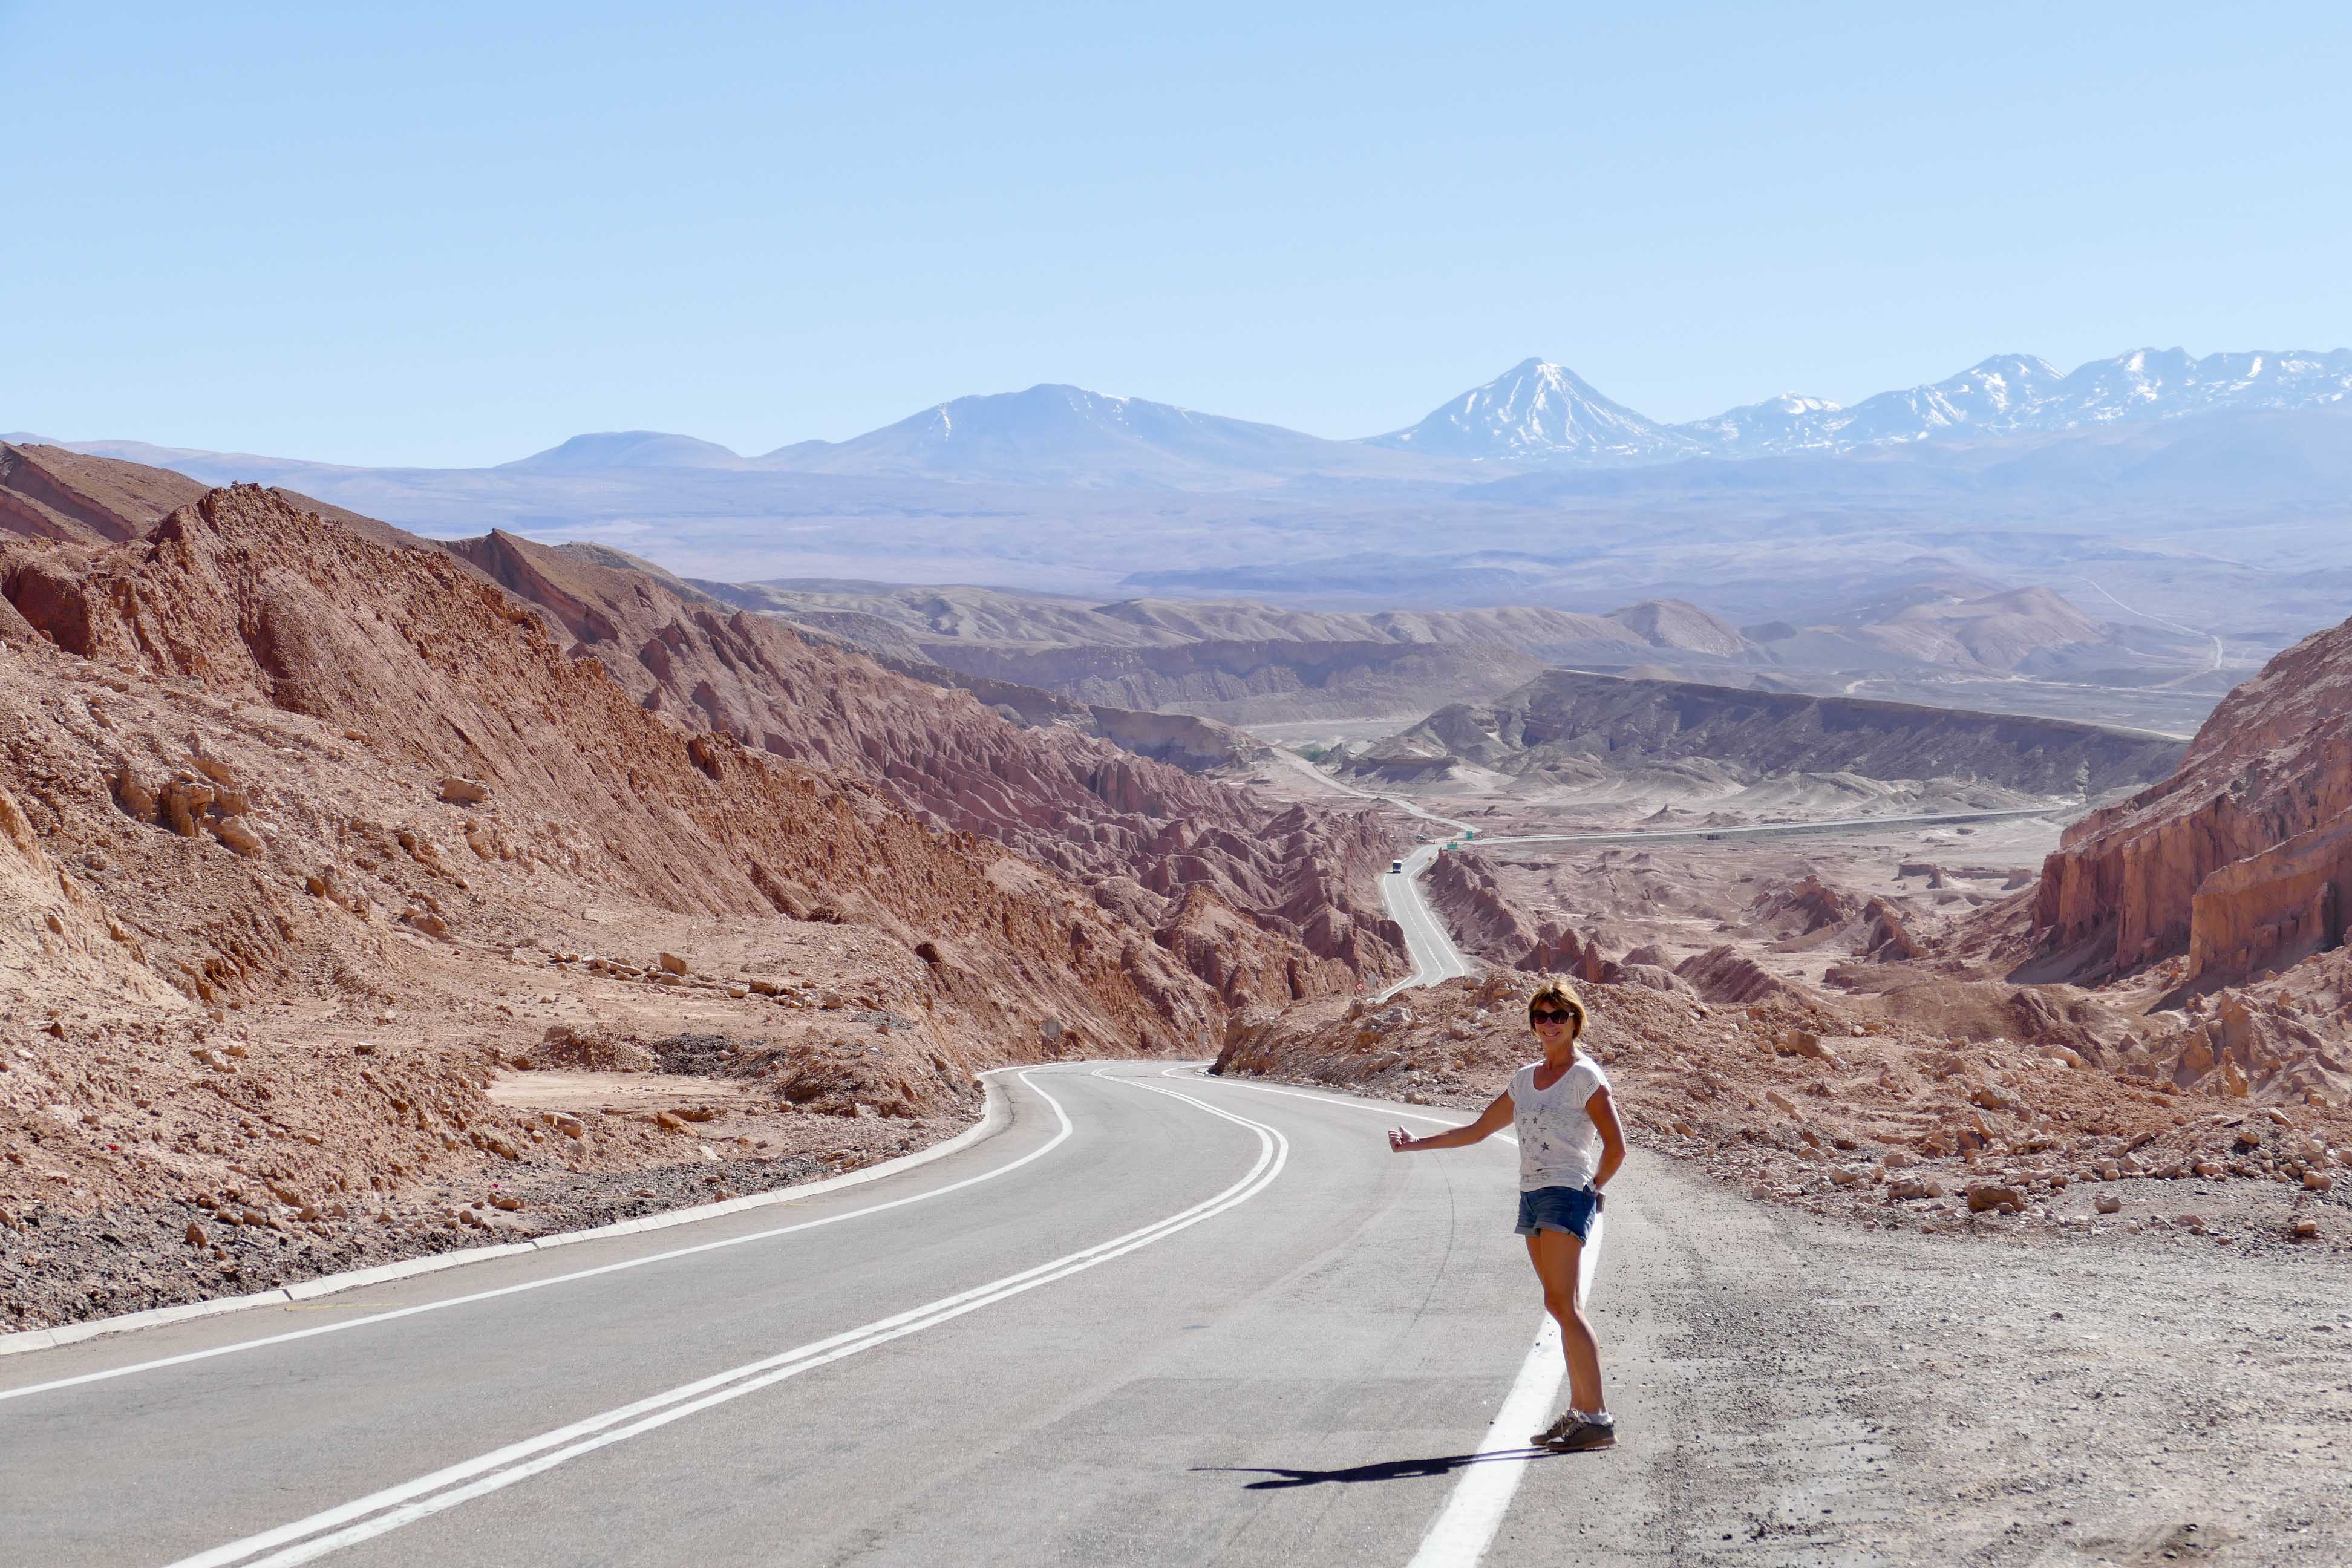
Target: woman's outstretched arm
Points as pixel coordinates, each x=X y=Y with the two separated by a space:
x=1491 y=1120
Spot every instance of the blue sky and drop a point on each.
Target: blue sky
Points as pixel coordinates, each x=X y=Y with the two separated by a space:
x=454 y=235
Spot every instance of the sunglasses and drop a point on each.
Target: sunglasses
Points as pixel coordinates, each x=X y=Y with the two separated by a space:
x=1546 y=1015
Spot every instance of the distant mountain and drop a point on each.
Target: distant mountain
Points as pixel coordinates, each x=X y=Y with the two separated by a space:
x=1538 y=412
x=1068 y=435
x=631 y=450
x=1541 y=411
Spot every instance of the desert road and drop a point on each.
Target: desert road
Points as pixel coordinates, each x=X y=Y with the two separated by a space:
x=1169 y=1319
x=1158 y=1318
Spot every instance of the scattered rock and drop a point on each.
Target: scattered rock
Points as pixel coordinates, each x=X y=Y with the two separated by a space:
x=1989 y=1195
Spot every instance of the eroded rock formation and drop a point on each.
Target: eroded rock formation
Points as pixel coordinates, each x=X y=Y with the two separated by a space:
x=2239 y=860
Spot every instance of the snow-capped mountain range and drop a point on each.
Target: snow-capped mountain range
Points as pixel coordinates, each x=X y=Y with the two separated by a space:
x=1542 y=412
x=1538 y=417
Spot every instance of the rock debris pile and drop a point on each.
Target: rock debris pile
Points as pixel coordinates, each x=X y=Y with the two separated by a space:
x=1841 y=1105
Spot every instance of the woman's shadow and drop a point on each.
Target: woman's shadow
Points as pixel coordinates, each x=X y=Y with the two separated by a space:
x=1385 y=1470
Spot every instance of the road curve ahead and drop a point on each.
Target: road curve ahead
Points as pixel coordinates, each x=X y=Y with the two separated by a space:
x=1157 y=1320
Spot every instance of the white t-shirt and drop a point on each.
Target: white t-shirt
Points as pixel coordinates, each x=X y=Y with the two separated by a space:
x=1559 y=1144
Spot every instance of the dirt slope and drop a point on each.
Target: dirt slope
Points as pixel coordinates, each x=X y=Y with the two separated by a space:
x=1001 y=618
x=1257 y=681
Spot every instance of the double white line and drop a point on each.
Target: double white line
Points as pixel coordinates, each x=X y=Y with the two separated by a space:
x=387 y=1511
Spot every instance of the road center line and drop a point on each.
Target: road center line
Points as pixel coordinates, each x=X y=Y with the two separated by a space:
x=1474 y=1511
x=1458 y=1537
x=387 y=1511
x=1061 y=1133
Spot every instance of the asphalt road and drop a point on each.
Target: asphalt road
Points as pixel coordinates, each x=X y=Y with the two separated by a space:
x=1229 y=1328
x=1173 y=1321
x=1426 y=940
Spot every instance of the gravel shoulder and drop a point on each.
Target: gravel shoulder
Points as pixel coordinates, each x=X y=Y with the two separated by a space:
x=1799 y=1390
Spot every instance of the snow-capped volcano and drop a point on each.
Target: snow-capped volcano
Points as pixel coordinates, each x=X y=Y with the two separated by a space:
x=1537 y=410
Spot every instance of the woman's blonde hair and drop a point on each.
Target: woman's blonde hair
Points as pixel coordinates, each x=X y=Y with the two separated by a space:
x=1561 y=996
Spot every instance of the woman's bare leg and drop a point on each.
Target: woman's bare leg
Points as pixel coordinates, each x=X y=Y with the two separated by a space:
x=1558 y=1257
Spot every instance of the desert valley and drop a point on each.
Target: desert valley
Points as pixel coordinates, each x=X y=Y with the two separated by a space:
x=378 y=893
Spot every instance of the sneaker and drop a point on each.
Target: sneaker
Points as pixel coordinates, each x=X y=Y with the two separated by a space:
x=1560 y=1423
x=1577 y=1433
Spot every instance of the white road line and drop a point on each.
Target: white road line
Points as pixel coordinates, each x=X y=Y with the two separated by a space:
x=1474 y=1511
x=1062 y=1133
x=1458 y=1537
x=387 y=1511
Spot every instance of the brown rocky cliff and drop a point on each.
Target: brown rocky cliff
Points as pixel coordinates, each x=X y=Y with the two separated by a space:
x=1489 y=924
x=48 y=492
x=406 y=671
x=2229 y=857
x=1081 y=804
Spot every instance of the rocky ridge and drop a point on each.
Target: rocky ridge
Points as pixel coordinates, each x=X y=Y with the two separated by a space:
x=1583 y=730
x=1085 y=806
x=2238 y=861
x=308 y=838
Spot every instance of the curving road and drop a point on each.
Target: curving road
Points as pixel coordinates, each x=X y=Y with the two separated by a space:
x=1161 y=1318
x=1426 y=940
x=1156 y=1319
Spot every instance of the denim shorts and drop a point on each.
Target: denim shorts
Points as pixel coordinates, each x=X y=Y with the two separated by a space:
x=1569 y=1209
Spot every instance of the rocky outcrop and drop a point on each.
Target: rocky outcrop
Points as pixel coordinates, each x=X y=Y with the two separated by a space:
x=1803 y=907
x=1588 y=723
x=1469 y=895
x=1726 y=974
x=48 y=492
x=1085 y=797
x=1248 y=681
x=2239 y=859
x=1884 y=937
x=2246 y=1044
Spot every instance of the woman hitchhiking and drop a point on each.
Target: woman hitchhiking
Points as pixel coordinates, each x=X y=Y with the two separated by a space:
x=1569 y=1145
